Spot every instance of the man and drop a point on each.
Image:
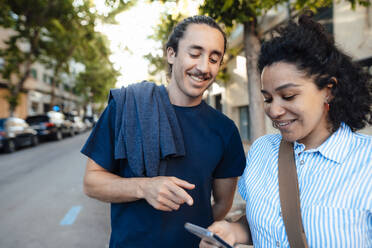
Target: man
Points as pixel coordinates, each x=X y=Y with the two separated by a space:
x=150 y=211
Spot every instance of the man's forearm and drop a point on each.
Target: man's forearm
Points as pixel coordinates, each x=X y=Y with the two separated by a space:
x=163 y=193
x=223 y=194
x=220 y=210
x=108 y=187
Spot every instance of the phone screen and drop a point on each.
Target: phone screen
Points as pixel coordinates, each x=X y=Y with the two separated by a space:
x=207 y=235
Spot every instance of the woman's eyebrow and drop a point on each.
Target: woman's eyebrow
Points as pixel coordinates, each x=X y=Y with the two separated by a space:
x=288 y=85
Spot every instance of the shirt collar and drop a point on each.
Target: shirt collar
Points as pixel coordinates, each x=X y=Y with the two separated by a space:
x=336 y=147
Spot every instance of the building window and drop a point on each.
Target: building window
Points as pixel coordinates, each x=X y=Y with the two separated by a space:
x=34 y=73
x=46 y=107
x=244 y=123
x=218 y=103
x=35 y=107
x=1 y=63
x=45 y=78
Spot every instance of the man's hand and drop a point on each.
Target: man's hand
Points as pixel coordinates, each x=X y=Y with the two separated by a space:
x=223 y=230
x=166 y=193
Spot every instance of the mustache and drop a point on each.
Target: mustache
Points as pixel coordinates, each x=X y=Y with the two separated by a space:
x=203 y=75
x=275 y=125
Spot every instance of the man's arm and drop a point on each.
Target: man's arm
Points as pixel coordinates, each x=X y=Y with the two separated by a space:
x=163 y=193
x=223 y=195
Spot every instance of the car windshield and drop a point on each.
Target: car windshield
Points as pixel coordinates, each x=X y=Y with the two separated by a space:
x=37 y=119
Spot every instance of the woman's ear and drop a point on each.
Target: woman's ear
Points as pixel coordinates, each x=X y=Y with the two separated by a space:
x=333 y=82
x=171 y=55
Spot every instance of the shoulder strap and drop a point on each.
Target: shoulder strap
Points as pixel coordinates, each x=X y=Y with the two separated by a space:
x=290 y=196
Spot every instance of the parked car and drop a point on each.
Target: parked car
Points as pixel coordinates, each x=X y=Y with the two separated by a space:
x=79 y=124
x=51 y=125
x=90 y=121
x=14 y=133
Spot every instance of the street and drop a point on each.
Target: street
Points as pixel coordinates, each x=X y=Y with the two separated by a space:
x=42 y=201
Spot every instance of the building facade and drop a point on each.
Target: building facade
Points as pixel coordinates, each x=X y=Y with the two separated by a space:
x=35 y=97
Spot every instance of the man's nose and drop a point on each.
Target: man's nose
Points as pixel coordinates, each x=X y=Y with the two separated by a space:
x=203 y=64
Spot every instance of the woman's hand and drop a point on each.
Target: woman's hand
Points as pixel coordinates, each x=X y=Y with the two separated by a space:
x=223 y=230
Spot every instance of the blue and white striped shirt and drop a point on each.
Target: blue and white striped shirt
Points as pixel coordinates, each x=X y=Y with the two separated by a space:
x=335 y=183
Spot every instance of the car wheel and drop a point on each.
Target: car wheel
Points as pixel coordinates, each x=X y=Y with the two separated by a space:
x=10 y=146
x=34 y=140
x=58 y=135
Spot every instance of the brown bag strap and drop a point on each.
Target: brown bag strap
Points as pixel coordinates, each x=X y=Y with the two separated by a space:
x=290 y=196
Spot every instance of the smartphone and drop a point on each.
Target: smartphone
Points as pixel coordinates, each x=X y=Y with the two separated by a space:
x=206 y=234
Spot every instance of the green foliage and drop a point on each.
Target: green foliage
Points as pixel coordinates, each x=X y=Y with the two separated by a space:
x=240 y=11
x=56 y=32
x=31 y=22
x=99 y=75
x=158 y=63
x=116 y=7
x=223 y=75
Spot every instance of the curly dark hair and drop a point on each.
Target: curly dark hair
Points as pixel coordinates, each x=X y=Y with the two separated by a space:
x=313 y=51
x=180 y=28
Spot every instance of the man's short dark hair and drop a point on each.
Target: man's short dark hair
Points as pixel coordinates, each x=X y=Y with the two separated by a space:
x=180 y=28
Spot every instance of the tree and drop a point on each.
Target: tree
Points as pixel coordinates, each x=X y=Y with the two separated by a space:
x=99 y=75
x=248 y=13
x=116 y=7
x=66 y=37
x=31 y=22
x=158 y=62
x=48 y=31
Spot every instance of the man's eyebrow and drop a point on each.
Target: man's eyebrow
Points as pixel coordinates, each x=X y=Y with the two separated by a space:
x=195 y=47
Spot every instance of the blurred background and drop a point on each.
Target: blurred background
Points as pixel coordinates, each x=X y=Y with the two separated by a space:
x=58 y=60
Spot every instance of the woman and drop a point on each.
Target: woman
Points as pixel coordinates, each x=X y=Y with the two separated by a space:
x=317 y=98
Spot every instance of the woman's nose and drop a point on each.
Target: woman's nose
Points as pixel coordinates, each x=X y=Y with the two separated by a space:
x=274 y=110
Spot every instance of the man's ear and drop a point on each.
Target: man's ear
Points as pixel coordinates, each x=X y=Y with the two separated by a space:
x=171 y=55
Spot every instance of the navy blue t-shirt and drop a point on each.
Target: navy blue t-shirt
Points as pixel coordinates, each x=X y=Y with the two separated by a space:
x=213 y=150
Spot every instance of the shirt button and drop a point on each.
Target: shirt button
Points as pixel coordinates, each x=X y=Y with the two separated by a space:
x=302 y=162
x=277 y=243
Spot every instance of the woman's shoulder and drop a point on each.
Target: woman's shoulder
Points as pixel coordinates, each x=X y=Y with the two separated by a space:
x=363 y=138
x=267 y=142
x=363 y=142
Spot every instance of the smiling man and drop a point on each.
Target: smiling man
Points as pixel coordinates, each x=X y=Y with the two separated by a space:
x=159 y=154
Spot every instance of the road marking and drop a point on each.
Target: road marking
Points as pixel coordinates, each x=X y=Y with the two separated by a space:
x=70 y=216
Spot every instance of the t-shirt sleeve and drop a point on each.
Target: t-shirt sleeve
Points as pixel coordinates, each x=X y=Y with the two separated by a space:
x=100 y=144
x=233 y=161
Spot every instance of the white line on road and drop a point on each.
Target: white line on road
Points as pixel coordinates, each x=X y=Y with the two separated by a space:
x=70 y=216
